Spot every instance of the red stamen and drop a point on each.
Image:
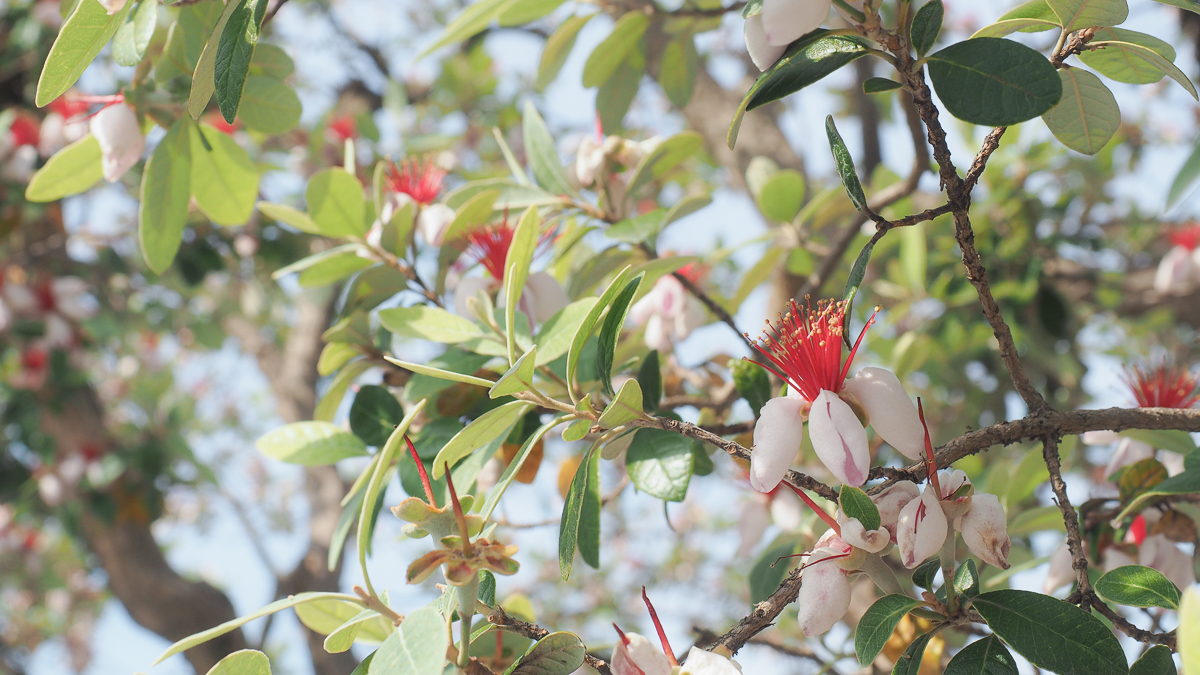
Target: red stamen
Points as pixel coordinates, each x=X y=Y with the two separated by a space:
x=662 y=634
x=830 y=520
x=458 y=514
x=412 y=450
x=24 y=131
x=1163 y=387
x=930 y=461
x=421 y=181
x=1187 y=237
x=804 y=348
x=343 y=128
x=1138 y=529
x=489 y=247
x=832 y=557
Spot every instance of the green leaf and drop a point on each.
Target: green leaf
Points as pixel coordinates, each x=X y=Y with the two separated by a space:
x=423 y=322
x=74 y=169
x=1189 y=5
x=660 y=463
x=269 y=105
x=556 y=334
x=878 y=622
x=858 y=270
x=1138 y=586
x=845 y=165
x=334 y=355
x=185 y=40
x=78 y=43
x=615 y=96
x=166 y=193
x=914 y=256
x=332 y=398
x=350 y=510
x=856 y=504
x=343 y=637
x=224 y=180
x=1187 y=175
x=418 y=647
x=638 y=229
x=516 y=272
x=1076 y=14
x=475 y=212
x=1051 y=633
x=924 y=573
x=335 y=203
x=332 y=269
x=271 y=61
x=909 y=662
x=677 y=69
x=310 y=444
x=374 y=414
x=752 y=383
x=625 y=407
x=525 y=11
x=473 y=19
x=589 y=323
x=1033 y=9
x=993 y=81
x=364 y=665
x=234 y=53
x=986 y=656
x=232 y=625
x=669 y=154
x=649 y=379
x=1010 y=26
x=1087 y=116
x=806 y=61
x=1174 y=440
x=542 y=154
x=611 y=52
x=1188 y=637
x=1123 y=65
x=556 y=654
x=926 y=26
x=1140 y=477
x=313 y=260
x=519 y=377
x=289 y=216
x=580 y=523
x=782 y=195
x=1028 y=521
x=506 y=478
x=442 y=374
x=328 y=615
x=879 y=85
x=966 y=579
x=558 y=48
x=203 y=81
x=1184 y=483
x=1147 y=56
x=483 y=430
x=1154 y=661
x=132 y=38
x=243 y=662
x=611 y=330
x=768 y=572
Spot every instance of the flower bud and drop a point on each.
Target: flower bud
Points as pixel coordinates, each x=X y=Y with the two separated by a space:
x=433 y=221
x=777 y=437
x=784 y=21
x=112 y=7
x=892 y=413
x=985 y=530
x=589 y=161
x=1062 y=572
x=1174 y=271
x=762 y=53
x=824 y=594
x=700 y=662
x=839 y=439
x=921 y=529
x=543 y=297
x=891 y=501
x=637 y=655
x=121 y=141
x=858 y=536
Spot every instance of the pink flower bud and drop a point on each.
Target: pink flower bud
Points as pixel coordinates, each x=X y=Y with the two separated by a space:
x=1061 y=572
x=985 y=530
x=784 y=21
x=637 y=655
x=1174 y=273
x=121 y=141
x=891 y=501
x=700 y=662
x=921 y=529
x=777 y=437
x=669 y=312
x=762 y=53
x=893 y=415
x=839 y=439
x=825 y=593
x=858 y=536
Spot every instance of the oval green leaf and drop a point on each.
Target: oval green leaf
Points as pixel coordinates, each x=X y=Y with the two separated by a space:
x=1087 y=116
x=224 y=179
x=132 y=38
x=418 y=647
x=1075 y=14
x=994 y=81
x=485 y=429
x=986 y=656
x=1154 y=661
x=269 y=105
x=244 y=662
x=429 y=323
x=878 y=622
x=78 y=43
x=74 y=169
x=926 y=26
x=166 y=193
x=556 y=654
x=310 y=444
x=611 y=51
x=1123 y=65
x=335 y=203
x=660 y=463
x=1138 y=586
x=580 y=523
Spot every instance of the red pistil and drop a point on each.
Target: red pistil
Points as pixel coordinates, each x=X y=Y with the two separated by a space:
x=420 y=180
x=1187 y=237
x=830 y=520
x=459 y=515
x=1164 y=387
x=804 y=348
x=929 y=460
x=412 y=450
x=662 y=634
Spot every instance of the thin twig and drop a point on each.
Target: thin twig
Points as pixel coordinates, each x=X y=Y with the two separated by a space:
x=498 y=617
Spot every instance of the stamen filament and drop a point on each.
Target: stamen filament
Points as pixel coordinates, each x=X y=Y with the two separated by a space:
x=468 y=551
x=930 y=461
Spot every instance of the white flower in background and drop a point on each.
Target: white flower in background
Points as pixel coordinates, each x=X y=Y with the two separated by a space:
x=1179 y=269
x=1162 y=554
x=668 y=311
x=433 y=221
x=804 y=349
x=785 y=21
x=1115 y=557
x=589 y=161
x=753 y=520
x=18 y=149
x=121 y=141
x=113 y=6
x=542 y=296
x=58 y=132
x=1061 y=572
x=825 y=587
x=1129 y=451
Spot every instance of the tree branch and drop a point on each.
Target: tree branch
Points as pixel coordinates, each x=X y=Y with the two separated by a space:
x=497 y=616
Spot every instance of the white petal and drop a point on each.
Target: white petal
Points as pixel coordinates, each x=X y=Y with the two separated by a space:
x=1163 y=555
x=1115 y=557
x=985 y=530
x=784 y=21
x=433 y=222
x=1101 y=437
x=762 y=53
x=892 y=414
x=657 y=335
x=693 y=316
x=1173 y=461
x=1129 y=451
x=786 y=510
x=1061 y=571
x=700 y=662
x=544 y=295
x=1174 y=270
x=921 y=529
x=855 y=534
x=752 y=522
x=647 y=306
x=121 y=141
x=892 y=500
x=588 y=161
x=639 y=655
x=839 y=438
x=112 y=6
x=467 y=288
x=777 y=437
x=824 y=593
x=20 y=297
